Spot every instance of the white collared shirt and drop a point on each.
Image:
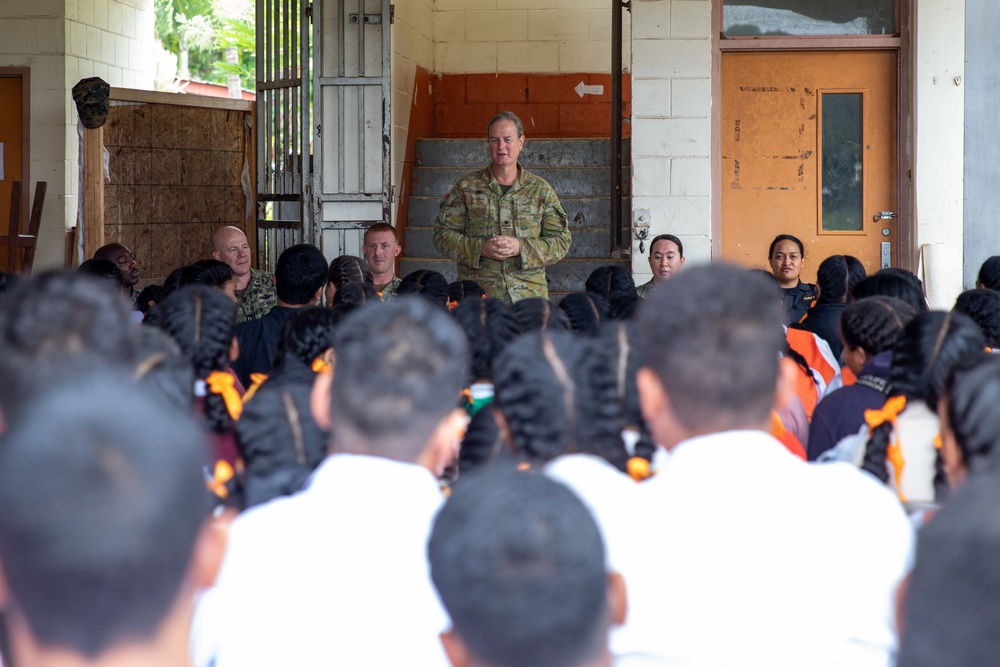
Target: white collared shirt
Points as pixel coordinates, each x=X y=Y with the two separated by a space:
x=757 y=558
x=334 y=575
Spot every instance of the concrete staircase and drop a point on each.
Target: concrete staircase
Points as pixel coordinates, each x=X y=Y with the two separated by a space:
x=579 y=171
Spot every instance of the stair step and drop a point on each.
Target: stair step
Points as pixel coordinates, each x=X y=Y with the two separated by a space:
x=566 y=181
x=594 y=212
x=568 y=275
x=472 y=153
x=587 y=243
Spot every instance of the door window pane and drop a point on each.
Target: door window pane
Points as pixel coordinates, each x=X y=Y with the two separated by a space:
x=842 y=161
x=744 y=18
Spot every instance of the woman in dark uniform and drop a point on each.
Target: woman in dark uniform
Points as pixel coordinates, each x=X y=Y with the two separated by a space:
x=786 y=255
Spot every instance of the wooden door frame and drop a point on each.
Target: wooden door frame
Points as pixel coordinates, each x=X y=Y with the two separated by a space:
x=905 y=257
x=24 y=73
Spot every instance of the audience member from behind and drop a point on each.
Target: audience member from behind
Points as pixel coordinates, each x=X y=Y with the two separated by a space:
x=55 y=323
x=786 y=255
x=460 y=290
x=400 y=368
x=381 y=250
x=896 y=283
x=983 y=307
x=519 y=566
x=430 y=285
x=609 y=281
x=869 y=329
x=666 y=257
x=163 y=370
x=211 y=272
x=489 y=326
x=836 y=277
x=299 y=277
x=356 y=295
x=989 y=274
x=105 y=528
x=255 y=292
x=102 y=269
x=123 y=258
x=585 y=311
x=800 y=596
x=343 y=270
x=970 y=420
x=537 y=314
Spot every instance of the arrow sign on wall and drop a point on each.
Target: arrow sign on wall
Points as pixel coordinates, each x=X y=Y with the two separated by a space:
x=583 y=89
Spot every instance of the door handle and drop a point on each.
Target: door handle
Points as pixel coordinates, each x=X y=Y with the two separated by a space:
x=886 y=260
x=884 y=215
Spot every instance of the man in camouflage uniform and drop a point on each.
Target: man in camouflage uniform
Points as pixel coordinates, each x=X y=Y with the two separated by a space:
x=503 y=225
x=381 y=249
x=255 y=293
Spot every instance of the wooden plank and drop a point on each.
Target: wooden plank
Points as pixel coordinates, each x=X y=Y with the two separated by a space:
x=93 y=191
x=179 y=99
x=250 y=221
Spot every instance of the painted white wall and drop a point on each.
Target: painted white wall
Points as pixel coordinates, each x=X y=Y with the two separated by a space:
x=672 y=124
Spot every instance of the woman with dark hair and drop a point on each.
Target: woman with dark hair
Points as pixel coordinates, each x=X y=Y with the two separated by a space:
x=983 y=306
x=786 y=257
x=431 y=285
x=460 y=290
x=585 y=312
x=896 y=283
x=610 y=281
x=970 y=421
x=619 y=341
x=356 y=295
x=346 y=269
x=537 y=314
x=836 y=277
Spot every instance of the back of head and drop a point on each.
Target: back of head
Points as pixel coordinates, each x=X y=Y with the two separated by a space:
x=356 y=294
x=557 y=393
x=306 y=335
x=585 y=312
x=163 y=370
x=972 y=396
x=712 y=335
x=983 y=306
x=7 y=280
x=104 y=269
x=836 y=276
x=623 y=306
x=519 y=565
x=619 y=340
x=431 y=285
x=610 y=281
x=349 y=269
x=400 y=370
x=209 y=272
x=537 y=314
x=896 y=283
x=489 y=325
x=299 y=274
x=54 y=323
x=989 y=274
x=930 y=347
x=875 y=323
x=482 y=445
x=951 y=610
x=102 y=498
x=460 y=290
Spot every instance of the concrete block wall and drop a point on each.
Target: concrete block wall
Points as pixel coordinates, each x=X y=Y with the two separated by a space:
x=672 y=124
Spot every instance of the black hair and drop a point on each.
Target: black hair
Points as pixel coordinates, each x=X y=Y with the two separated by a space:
x=299 y=274
x=482 y=445
x=667 y=237
x=356 y=294
x=972 y=396
x=431 y=285
x=460 y=290
x=722 y=317
x=784 y=237
x=280 y=441
x=983 y=306
x=623 y=306
x=162 y=369
x=304 y=336
x=610 y=281
x=149 y=297
x=836 y=277
x=349 y=269
x=585 y=312
x=102 y=499
x=928 y=350
x=400 y=369
x=896 y=283
x=989 y=274
x=538 y=314
x=103 y=269
x=874 y=323
x=201 y=320
x=620 y=341
x=558 y=396
x=172 y=281
x=518 y=562
x=209 y=272
x=7 y=280
x=489 y=325
x=55 y=322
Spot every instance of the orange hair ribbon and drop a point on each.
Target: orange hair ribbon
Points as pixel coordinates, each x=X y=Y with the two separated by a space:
x=223 y=473
x=452 y=305
x=893 y=453
x=257 y=379
x=638 y=468
x=223 y=384
x=320 y=365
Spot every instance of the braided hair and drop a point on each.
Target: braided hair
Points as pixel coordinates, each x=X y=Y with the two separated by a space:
x=489 y=325
x=875 y=323
x=611 y=280
x=983 y=306
x=431 y=285
x=348 y=269
x=558 y=395
x=971 y=400
x=836 y=277
x=356 y=294
x=306 y=335
x=538 y=314
x=619 y=340
x=201 y=320
x=460 y=290
x=585 y=311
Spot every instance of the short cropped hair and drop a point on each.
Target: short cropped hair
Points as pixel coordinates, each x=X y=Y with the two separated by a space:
x=382 y=227
x=299 y=274
x=519 y=565
x=989 y=274
x=506 y=115
x=712 y=335
x=102 y=497
x=400 y=370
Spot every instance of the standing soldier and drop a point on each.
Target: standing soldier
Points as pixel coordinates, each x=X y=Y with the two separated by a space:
x=503 y=225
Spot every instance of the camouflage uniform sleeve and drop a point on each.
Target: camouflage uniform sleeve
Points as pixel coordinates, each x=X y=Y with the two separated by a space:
x=450 y=236
x=554 y=238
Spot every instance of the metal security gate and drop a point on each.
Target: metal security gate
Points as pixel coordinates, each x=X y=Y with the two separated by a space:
x=351 y=97
x=284 y=127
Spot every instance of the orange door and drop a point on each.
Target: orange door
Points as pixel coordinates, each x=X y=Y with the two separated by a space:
x=12 y=138
x=809 y=149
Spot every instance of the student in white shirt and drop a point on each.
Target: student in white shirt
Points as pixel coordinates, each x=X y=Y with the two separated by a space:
x=337 y=574
x=754 y=557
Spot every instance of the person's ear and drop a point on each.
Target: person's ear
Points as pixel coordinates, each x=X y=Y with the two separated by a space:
x=784 y=389
x=444 y=443
x=319 y=400
x=455 y=649
x=504 y=429
x=274 y=280
x=234 y=349
x=399 y=249
x=210 y=549
x=216 y=256
x=656 y=409
x=318 y=296
x=617 y=599
x=330 y=291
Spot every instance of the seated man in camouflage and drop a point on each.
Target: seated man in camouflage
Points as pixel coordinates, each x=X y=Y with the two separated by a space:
x=124 y=259
x=255 y=293
x=381 y=250
x=503 y=225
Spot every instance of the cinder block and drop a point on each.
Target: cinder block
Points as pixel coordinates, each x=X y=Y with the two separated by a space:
x=557 y=25
x=108 y=47
x=463 y=57
x=691 y=19
x=650 y=20
x=691 y=177
x=77 y=33
x=587 y=56
x=677 y=215
x=691 y=98
x=652 y=177
x=128 y=21
x=95 y=43
x=652 y=98
x=528 y=56
x=449 y=26
x=101 y=14
x=503 y=89
x=673 y=137
x=491 y=26
x=15 y=36
x=666 y=58
x=115 y=20
x=48 y=36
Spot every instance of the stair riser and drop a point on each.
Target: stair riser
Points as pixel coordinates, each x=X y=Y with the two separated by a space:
x=583 y=213
x=566 y=181
x=474 y=153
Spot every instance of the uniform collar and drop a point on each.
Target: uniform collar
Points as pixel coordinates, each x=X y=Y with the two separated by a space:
x=523 y=177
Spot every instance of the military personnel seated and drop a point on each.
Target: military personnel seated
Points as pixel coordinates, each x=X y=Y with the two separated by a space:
x=503 y=225
x=381 y=250
x=666 y=257
x=124 y=259
x=255 y=292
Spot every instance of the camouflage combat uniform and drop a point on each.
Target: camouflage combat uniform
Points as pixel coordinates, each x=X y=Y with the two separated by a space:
x=646 y=290
x=389 y=290
x=477 y=209
x=258 y=299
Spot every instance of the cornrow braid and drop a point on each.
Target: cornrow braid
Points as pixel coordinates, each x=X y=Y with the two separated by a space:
x=875 y=323
x=619 y=340
x=489 y=325
x=537 y=314
x=585 y=311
